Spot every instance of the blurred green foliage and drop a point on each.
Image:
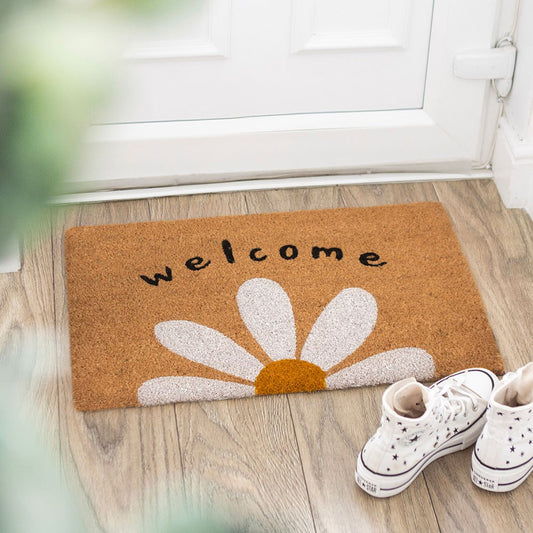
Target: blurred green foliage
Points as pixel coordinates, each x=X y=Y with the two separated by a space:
x=51 y=77
x=33 y=497
x=56 y=64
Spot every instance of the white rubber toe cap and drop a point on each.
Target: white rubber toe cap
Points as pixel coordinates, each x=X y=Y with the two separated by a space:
x=481 y=381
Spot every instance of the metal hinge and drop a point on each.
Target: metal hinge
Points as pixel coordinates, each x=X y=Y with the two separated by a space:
x=496 y=64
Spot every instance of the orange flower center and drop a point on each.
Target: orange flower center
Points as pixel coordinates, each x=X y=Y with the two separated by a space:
x=290 y=375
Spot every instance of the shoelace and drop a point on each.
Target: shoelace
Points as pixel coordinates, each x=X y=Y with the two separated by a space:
x=456 y=398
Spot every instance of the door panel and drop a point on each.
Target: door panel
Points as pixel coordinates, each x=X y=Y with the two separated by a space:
x=201 y=31
x=239 y=58
x=345 y=25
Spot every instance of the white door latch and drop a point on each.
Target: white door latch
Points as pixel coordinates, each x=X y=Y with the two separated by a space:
x=495 y=64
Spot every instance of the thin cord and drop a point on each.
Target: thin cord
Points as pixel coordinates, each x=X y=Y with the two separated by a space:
x=508 y=37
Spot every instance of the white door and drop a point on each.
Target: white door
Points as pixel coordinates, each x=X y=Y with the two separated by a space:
x=273 y=57
x=237 y=88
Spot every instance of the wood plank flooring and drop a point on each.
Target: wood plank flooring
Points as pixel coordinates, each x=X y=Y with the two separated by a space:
x=277 y=463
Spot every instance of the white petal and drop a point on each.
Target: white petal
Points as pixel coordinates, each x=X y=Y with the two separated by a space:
x=207 y=346
x=170 y=389
x=385 y=367
x=341 y=328
x=267 y=312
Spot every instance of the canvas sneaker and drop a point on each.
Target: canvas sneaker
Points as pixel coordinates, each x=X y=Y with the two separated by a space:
x=420 y=424
x=502 y=458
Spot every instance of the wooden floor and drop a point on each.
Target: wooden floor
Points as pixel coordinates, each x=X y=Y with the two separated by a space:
x=278 y=463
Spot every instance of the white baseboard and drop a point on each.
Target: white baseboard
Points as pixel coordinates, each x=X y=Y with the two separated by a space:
x=513 y=168
x=10 y=258
x=262 y=184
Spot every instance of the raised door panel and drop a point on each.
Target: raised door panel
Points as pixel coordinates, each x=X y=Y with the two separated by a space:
x=225 y=59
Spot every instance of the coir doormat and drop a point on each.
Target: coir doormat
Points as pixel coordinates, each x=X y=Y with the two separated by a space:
x=228 y=307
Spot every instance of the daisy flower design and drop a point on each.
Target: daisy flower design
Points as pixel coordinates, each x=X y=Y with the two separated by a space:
x=266 y=310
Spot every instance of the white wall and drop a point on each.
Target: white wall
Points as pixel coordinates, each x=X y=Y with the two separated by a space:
x=519 y=105
x=10 y=257
x=513 y=154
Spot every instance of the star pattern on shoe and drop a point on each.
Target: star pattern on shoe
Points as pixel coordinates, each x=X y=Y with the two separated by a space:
x=406 y=443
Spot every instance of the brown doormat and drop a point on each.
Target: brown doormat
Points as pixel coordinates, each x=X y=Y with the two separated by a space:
x=228 y=307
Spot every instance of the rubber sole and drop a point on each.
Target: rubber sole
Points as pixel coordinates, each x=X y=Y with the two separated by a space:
x=385 y=486
x=496 y=479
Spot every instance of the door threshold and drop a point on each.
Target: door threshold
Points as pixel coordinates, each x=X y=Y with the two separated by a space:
x=263 y=184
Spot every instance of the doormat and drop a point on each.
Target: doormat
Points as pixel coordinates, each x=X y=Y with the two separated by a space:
x=236 y=306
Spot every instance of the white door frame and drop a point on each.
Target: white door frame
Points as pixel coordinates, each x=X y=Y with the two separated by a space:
x=446 y=133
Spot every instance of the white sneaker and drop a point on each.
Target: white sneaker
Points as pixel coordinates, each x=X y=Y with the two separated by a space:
x=421 y=424
x=503 y=455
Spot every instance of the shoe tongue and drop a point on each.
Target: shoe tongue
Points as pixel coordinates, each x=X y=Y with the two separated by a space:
x=410 y=400
x=520 y=390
